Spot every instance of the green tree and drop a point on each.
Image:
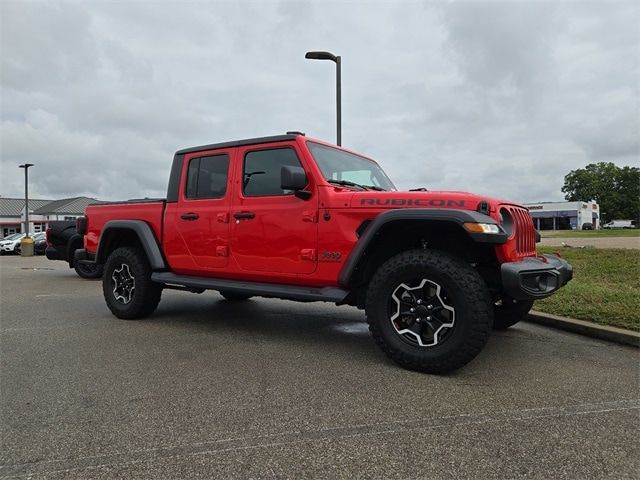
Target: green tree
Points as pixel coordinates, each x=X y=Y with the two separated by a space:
x=616 y=189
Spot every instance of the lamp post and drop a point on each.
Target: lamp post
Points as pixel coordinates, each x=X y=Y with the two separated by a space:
x=26 y=196
x=337 y=60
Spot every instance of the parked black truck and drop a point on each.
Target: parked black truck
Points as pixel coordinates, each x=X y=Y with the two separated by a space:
x=63 y=240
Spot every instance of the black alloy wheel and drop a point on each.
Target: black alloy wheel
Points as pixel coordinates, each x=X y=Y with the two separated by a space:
x=429 y=311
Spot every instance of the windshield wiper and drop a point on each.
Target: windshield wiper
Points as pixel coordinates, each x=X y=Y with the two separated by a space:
x=347 y=183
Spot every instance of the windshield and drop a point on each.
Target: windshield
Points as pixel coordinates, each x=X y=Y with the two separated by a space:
x=340 y=166
x=15 y=236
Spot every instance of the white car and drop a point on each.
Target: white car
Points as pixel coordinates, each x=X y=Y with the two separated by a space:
x=8 y=244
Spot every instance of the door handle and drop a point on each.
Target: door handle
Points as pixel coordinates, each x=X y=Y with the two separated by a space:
x=190 y=216
x=241 y=215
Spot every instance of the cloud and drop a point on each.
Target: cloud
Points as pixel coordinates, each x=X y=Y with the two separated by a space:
x=501 y=98
x=504 y=45
x=45 y=43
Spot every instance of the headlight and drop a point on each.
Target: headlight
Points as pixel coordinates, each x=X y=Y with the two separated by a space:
x=482 y=227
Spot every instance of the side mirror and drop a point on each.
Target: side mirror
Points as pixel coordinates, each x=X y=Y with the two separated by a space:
x=294 y=178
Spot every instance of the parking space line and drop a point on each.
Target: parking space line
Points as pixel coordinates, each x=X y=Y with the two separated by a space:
x=318 y=435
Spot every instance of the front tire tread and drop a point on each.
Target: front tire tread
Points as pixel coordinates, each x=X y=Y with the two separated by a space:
x=476 y=297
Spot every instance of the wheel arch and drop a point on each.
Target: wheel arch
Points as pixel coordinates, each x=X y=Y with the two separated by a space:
x=398 y=230
x=130 y=233
x=75 y=242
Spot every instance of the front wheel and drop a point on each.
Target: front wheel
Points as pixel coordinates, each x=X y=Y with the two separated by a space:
x=126 y=284
x=429 y=311
x=507 y=312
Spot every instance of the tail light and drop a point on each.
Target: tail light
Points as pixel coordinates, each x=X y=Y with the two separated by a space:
x=48 y=237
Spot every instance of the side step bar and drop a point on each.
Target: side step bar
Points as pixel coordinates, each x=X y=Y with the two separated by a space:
x=270 y=290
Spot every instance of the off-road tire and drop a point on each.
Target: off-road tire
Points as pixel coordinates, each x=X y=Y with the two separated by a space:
x=88 y=271
x=509 y=312
x=144 y=297
x=466 y=293
x=234 y=297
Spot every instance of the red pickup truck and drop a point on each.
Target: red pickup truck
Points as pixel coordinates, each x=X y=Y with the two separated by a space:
x=297 y=218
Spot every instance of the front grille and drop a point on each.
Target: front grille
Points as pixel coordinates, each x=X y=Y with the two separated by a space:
x=525 y=232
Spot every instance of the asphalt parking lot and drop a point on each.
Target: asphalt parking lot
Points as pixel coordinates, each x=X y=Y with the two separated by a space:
x=206 y=388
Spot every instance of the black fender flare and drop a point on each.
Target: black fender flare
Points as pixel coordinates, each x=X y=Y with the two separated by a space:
x=75 y=238
x=144 y=233
x=458 y=217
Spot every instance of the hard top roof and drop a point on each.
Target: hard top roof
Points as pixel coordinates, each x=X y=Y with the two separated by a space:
x=239 y=143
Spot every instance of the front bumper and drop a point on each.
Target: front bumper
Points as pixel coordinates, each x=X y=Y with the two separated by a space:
x=535 y=278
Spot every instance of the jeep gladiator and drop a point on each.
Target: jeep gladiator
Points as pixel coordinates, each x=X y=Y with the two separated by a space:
x=296 y=218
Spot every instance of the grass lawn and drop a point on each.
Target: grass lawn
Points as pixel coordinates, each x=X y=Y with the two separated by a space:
x=631 y=232
x=605 y=288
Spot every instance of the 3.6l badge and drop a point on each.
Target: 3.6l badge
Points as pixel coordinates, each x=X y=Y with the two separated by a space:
x=330 y=257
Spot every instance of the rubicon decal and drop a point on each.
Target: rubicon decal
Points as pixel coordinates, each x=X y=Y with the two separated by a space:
x=416 y=202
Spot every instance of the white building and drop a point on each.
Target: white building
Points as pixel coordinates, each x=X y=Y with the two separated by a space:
x=564 y=215
x=12 y=213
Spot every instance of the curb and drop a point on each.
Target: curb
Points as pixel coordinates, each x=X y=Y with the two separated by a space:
x=590 y=329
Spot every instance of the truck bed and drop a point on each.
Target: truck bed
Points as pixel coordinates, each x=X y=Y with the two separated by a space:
x=148 y=210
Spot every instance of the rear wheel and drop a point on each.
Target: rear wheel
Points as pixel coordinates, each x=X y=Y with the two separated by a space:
x=126 y=284
x=429 y=311
x=507 y=312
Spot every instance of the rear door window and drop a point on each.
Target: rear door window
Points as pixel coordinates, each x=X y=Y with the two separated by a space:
x=207 y=177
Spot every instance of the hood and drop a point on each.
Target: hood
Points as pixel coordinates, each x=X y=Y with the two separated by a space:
x=441 y=199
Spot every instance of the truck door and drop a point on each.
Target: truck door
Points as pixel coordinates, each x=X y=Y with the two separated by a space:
x=272 y=229
x=198 y=237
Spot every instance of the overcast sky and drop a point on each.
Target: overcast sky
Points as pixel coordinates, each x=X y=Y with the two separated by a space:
x=499 y=98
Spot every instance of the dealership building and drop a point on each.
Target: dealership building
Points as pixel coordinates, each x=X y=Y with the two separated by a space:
x=564 y=215
x=41 y=212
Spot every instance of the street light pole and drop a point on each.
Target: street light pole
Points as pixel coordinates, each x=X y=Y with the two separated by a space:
x=26 y=196
x=338 y=101
x=338 y=61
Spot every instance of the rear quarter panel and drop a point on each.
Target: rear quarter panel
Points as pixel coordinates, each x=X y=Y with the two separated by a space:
x=98 y=215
